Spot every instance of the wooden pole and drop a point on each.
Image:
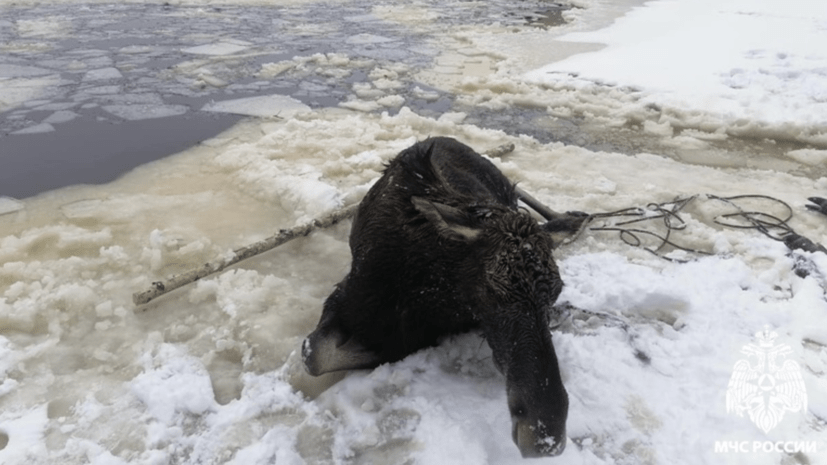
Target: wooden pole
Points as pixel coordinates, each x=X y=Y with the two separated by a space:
x=175 y=281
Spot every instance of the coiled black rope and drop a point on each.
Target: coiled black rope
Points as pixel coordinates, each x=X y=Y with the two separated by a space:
x=763 y=222
x=667 y=217
x=666 y=214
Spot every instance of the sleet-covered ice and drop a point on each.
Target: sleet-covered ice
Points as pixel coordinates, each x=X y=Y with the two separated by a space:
x=210 y=373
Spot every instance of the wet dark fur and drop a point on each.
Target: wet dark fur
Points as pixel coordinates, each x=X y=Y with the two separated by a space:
x=439 y=247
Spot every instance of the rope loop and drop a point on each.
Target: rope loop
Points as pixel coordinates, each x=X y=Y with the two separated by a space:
x=667 y=217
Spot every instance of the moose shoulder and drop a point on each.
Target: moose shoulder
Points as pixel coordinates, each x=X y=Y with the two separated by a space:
x=440 y=247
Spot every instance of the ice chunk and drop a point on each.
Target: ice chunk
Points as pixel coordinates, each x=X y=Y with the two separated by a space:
x=36 y=129
x=811 y=157
x=102 y=74
x=9 y=205
x=61 y=116
x=271 y=70
x=146 y=98
x=10 y=71
x=427 y=95
x=14 y=92
x=265 y=106
x=360 y=105
x=56 y=106
x=218 y=48
x=136 y=49
x=388 y=53
x=391 y=101
x=362 y=39
x=102 y=90
x=139 y=112
x=49 y=26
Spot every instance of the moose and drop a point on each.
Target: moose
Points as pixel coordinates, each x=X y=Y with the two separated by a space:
x=439 y=246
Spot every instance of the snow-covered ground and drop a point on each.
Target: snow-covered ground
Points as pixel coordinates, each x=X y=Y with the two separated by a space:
x=703 y=98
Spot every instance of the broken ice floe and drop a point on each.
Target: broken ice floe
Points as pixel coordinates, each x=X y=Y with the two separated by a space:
x=139 y=112
x=813 y=157
x=61 y=116
x=265 y=106
x=36 y=129
x=218 y=48
x=10 y=71
x=103 y=74
x=9 y=205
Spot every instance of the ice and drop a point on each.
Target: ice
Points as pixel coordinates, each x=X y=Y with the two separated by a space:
x=61 y=116
x=52 y=26
x=361 y=18
x=218 y=48
x=12 y=71
x=104 y=90
x=36 y=129
x=265 y=106
x=140 y=111
x=812 y=157
x=362 y=39
x=57 y=106
x=103 y=74
x=10 y=205
x=361 y=105
x=16 y=91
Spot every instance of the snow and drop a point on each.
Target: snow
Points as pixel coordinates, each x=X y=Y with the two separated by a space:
x=756 y=61
x=211 y=373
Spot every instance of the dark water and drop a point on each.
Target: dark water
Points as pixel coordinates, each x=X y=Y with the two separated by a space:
x=86 y=151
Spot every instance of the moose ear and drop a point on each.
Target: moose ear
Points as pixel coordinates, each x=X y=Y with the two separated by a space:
x=451 y=222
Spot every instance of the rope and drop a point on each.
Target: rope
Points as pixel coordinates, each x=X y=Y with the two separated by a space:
x=667 y=217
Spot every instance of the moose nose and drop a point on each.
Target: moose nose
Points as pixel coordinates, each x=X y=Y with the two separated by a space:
x=532 y=445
